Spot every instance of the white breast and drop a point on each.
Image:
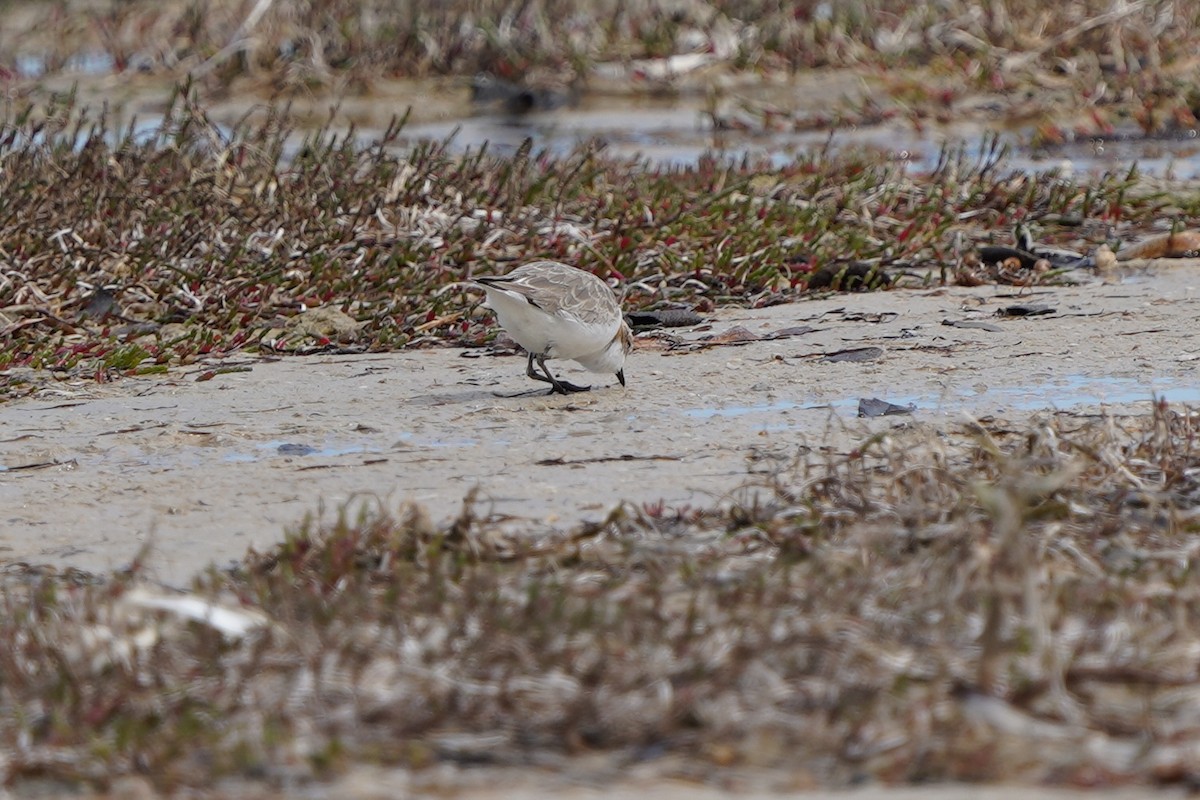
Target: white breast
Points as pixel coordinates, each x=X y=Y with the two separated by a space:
x=560 y=335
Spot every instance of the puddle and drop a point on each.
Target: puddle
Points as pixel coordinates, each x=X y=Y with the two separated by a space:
x=283 y=448
x=449 y=443
x=667 y=130
x=1078 y=390
x=678 y=133
x=679 y=136
x=741 y=411
x=93 y=62
x=1175 y=157
x=1069 y=392
x=278 y=448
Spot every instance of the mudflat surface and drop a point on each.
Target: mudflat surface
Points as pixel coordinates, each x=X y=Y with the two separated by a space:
x=488 y=785
x=202 y=470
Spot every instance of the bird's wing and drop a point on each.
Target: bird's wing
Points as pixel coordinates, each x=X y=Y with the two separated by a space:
x=560 y=291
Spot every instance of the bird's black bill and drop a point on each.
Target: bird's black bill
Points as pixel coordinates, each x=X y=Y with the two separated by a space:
x=621 y=377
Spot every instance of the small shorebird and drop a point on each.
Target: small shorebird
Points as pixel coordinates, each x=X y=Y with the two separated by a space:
x=557 y=311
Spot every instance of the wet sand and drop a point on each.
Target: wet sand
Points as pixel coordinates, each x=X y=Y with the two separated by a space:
x=203 y=470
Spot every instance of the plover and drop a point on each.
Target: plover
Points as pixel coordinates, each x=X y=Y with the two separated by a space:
x=557 y=311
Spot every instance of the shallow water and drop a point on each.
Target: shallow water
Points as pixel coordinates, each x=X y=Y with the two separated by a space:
x=679 y=133
x=671 y=129
x=1071 y=392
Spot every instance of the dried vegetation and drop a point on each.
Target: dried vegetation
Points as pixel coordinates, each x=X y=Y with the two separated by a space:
x=131 y=250
x=123 y=252
x=463 y=37
x=983 y=605
x=986 y=604
x=1109 y=63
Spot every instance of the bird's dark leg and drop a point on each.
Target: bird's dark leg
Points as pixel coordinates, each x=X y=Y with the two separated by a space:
x=537 y=376
x=557 y=386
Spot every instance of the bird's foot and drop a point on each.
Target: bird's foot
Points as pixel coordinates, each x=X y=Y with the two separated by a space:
x=566 y=387
x=560 y=387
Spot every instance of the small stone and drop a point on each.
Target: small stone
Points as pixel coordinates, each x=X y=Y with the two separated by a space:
x=1106 y=260
x=326 y=322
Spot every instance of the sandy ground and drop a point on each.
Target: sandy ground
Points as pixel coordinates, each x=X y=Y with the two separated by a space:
x=377 y=784
x=90 y=473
